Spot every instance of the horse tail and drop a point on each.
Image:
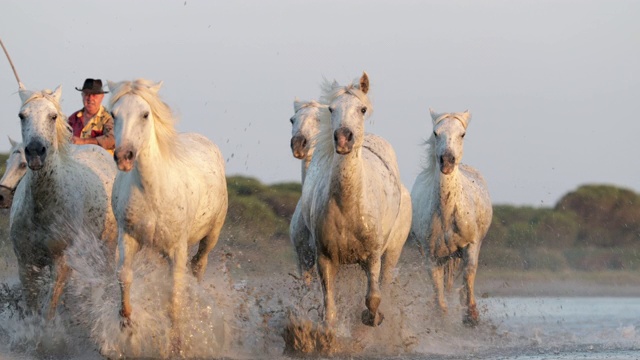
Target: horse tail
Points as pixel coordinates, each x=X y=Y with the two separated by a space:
x=450 y=270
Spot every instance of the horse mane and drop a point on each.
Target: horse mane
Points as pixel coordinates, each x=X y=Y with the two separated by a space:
x=325 y=147
x=166 y=134
x=63 y=129
x=312 y=103
x=428 y=161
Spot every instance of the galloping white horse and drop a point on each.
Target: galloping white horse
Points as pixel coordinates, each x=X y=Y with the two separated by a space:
x=305 y=126
x=170 y=192
x=13 y=173
x=451 y=208
x=353 y=201
x=62 y=191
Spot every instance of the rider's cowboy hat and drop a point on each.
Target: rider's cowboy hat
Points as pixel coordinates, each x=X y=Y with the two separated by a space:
x=92 y=86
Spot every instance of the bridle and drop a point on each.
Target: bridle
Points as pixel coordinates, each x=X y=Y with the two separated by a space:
x=12 y=190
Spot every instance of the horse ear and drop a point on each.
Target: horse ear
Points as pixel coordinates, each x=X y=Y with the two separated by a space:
x=12 y=142
x=465 y=117
x=112 y=85
x=57 y=93
x=156 y=87
x=434 y=115
x=297 y=104
x=364 y=82
x=25 y=94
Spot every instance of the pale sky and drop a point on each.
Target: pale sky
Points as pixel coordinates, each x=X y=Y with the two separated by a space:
x=552 y=86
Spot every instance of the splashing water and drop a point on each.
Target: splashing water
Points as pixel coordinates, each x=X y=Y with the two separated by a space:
x=237 y=312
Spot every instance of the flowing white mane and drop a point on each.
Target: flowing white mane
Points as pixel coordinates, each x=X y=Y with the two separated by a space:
x=165 y=121
x=63 y=130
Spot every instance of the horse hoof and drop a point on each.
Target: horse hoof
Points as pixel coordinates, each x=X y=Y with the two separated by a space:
x=471 y=318
x=470 y=321
x=370 y=319
x=125 y=323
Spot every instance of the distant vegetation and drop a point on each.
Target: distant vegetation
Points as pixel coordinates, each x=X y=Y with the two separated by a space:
x=596 y=227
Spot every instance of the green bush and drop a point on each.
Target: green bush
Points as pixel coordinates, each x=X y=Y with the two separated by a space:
x=557 y=229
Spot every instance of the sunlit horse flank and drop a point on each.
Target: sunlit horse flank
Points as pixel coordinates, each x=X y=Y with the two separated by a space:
x=353 y=200
x=451 y=209
x=170 y=192
x=61 y=191
x=305 y=126
x=13 y=173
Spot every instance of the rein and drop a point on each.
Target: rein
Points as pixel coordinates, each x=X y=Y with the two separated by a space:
x=12 y=190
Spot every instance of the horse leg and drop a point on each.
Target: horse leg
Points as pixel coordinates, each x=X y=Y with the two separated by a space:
x=305 y=249
x=178 y=261
x=372 y=316
x=470 y=265
x=398 y=237
x=61 y=271
x=389 y=262
x=328 y=270
x=201 y=258
x=127 y=248
x=28 y=273
x=437 y=276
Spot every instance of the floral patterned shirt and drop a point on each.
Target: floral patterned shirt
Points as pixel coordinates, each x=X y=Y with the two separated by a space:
x=99 y=127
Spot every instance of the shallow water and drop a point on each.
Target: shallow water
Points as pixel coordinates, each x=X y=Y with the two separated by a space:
x=237 y=313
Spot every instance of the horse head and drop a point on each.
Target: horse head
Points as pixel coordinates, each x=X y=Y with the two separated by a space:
x=134 y=119
x=349 y=106
x=305 y=126
x=448 y=136
x=44 y=127
x=14 y=171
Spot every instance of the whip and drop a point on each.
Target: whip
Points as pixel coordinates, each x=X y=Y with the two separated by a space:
x=20 y=85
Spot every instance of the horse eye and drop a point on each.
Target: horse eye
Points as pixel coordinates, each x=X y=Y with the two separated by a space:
x=463 y=134
x=363 y=110
x=331 y=110
x=23 y=165
x=112 y=115
x=292 y=120
x=21 y=116
x=145 y=115
x=53 y=116
x=434 y=134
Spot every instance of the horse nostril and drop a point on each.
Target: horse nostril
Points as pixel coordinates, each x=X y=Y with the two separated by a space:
x=304 y=142
x=350 y=137
x=129 y=155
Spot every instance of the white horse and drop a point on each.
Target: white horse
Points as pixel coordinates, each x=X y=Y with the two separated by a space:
x=451 y=209
x=170 y=192
x=61 y=191
x=13 y=173
x=305 y=126
x=353 y=201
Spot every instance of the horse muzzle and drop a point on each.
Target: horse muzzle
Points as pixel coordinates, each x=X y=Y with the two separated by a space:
x=124 y=159
x=447 y=163
x=343 y=139
x=6 y=197
x=299 y=147
x=35 y=153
